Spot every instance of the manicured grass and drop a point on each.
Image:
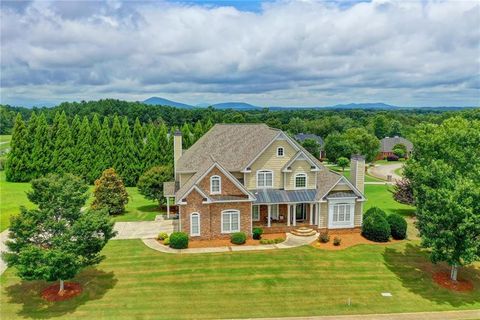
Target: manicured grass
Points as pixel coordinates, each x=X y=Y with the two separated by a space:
x=380 y=195
x=346 y=173
x=137 y=282
x=4 y=142
x=13 y=195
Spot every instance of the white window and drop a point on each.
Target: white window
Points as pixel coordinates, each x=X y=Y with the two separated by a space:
x=256 y=213
x=195 y=224
x=341 y=214
x=215 y=184
x=264 y=179
x=280 y=152
x=230 y=221
x=274 y=211
x=301 y=181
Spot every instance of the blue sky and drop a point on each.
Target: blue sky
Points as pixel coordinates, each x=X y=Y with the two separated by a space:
x=282 y=53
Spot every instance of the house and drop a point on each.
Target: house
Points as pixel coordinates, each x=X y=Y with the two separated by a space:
x=387 y=145
x=301 y=137
x=241 y=176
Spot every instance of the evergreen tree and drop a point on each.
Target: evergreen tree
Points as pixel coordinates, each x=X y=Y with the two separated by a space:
x=151 y=157
x=103 y=159
x=208 y=125
x=75 y=128
x=16 y=168
x=187 y=135
x=117 y=142
x=138 y=142
x=197 y=131
x=163 y=144
x=41 y=153
x=127 y=163
x=83 y=150
x=96 y=150
x=31 y=128
x=62 y=160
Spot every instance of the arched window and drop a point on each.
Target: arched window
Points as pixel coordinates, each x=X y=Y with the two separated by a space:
x=195 y=224
x=215 y=184
x=300 y=181
x=264 y=179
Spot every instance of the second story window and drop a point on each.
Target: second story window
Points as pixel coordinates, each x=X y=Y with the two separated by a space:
x=215 y=184
x=264 y=179
x=301 y=181
x=280 y=152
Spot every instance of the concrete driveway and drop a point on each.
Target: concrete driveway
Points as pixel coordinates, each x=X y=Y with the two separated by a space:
x=143 y=229
x=381 y=171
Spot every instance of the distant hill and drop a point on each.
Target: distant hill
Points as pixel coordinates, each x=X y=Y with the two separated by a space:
x=235 y=105
x=156 y=101
x=377 y=105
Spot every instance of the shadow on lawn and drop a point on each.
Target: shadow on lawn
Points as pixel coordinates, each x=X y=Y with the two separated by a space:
x=415 y=270
x=95 y=284
x=149 y=208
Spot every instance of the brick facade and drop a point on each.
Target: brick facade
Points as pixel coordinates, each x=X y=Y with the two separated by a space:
x=228 y=188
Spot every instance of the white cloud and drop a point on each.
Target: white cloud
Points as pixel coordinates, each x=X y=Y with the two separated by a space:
x=291 y=52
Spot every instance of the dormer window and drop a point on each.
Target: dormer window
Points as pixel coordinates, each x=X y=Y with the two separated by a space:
x=280 y=152
x=215 y=184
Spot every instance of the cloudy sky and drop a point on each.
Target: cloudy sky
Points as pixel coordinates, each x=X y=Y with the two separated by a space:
x=283 y=53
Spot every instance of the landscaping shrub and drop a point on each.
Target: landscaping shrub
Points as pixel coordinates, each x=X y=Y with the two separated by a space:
x=278 y=240
x=337 y=241
x=398 y=226
x=392 y=158
x=376 y=228
x=162 y=236
x=323 y=237
x=374 y=210
x=272 y=241
x=178 y=240
x=257 y=233
x=238 y=238
x=166 y=241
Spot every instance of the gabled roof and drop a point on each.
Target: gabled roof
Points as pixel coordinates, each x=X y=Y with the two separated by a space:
x=388 y=143
x=304 y=136
x=327 y=180
x=208 y=166
x=169 y=189
x=300 y=155
x=232 y=145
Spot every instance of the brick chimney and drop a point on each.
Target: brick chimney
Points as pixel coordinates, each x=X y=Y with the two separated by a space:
x=177 y=149
x=357 y=172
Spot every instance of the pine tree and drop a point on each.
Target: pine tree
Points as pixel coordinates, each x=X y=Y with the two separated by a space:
x=197 y=131
x=151 y=156
x=103 y=159
x=83 y=150
x=187 y=135
x=117 y=143
x=16 y=168
x=31 y=128
x=139 y=143
x=208 y=125
x=127 y=164
x=162 y=143
x=62 y=161
x=75 y=128
x=42 y=152
x=96 y=150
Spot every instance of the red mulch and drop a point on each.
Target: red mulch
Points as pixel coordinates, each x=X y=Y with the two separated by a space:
x=72 y=289
x=443 y=279
x=348 y=239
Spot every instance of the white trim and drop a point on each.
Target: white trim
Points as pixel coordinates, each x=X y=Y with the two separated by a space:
x=219 y=184
x=341 y=224
x=345 y=180
x=283 y=152
x=256 y=177
x=304 y=158
x=195 y=187
x=258 y=208
x=191 y=223
x=295 y=181
x=230 y=211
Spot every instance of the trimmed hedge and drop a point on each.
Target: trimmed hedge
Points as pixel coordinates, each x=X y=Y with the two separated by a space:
x=162 y=236
x=166 y=241
x=179 y=240
x=238 y=238
x=376 y=228
x=257 y=233
x=398 y=226
x=375 y=210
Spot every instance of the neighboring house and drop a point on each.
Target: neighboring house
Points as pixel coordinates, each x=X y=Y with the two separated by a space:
x=301 y=137
x=239 y=176
x=387 y=144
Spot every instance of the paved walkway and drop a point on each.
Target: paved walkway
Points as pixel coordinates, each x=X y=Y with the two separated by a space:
x=292 y=241
x=443 y=315
x=3 y=247
x=143 y=229
x=383 y=170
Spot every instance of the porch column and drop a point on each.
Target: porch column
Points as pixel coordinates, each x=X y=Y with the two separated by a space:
x=311 y=213
x=294 y=215
x=269 y=215
x=289 y=208
x=168 y=207
x=319 y=207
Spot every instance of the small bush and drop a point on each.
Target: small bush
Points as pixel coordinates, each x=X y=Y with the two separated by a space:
x=271 y=241
x=166 y=241
x=392 y=158
x=337 y=241
x=257 y=233
x=238 y=238
x=162 y=236
x=323 y=237
x=375 y=210
x=278 y=240
x=398 y=226
x=179 y=240
x=376 y=228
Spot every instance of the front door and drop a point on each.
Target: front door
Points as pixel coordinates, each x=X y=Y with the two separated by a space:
x=301 y=212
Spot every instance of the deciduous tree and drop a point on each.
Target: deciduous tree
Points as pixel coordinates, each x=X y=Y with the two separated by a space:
x=110 y=193
x=151 y=182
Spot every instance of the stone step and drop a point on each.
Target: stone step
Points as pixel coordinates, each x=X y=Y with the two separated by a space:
x=303 y=232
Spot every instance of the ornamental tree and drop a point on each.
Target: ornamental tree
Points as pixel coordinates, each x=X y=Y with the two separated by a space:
x=110 y=193
x=150 y=184
x=444 y=172
x=56 y=240
x=343 y=162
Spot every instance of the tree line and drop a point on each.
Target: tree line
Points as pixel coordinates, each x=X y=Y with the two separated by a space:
x=86 y=148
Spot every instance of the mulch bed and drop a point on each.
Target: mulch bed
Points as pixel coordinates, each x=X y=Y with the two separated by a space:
x=227 y=243
x=72 y=289
x=348 y=239
x=443 y=279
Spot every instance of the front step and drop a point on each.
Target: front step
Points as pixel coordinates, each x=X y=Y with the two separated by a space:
x=303 y=232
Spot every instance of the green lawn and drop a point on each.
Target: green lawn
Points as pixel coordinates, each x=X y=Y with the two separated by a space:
x=346 y=173
x=4 y=142
x=137 y=282
x=13 y=195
